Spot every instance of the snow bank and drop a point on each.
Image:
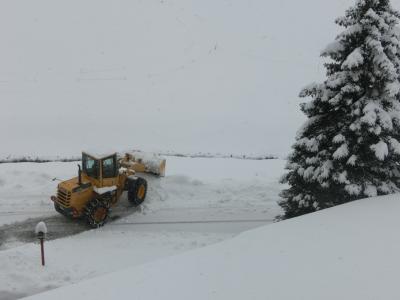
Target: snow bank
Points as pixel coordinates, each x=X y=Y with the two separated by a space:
x=91 y=254
x=25 y=188
x=347 y=252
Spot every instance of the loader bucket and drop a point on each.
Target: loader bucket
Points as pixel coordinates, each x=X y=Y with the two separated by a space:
x=144 y=163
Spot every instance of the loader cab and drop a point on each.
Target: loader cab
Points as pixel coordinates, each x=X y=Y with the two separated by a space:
x=101 y=169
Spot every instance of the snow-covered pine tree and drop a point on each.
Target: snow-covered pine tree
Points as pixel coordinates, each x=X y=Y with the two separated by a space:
x=349 y=148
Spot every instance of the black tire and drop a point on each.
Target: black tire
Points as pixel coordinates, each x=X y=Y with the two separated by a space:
x=97 y=212
x=137 y=190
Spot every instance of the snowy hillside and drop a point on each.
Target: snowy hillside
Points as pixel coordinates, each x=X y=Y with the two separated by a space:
x=189 y=76
x=347 y=252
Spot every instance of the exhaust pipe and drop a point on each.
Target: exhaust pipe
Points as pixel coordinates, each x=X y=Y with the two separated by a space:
x=79 y=175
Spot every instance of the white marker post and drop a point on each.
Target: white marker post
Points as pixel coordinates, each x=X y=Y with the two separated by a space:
x=41 y=231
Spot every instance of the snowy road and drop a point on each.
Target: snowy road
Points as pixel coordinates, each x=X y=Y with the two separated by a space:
x=203 y=220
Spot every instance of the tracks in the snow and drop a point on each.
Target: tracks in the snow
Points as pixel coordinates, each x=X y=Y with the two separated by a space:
x=59 y=227
x=22 y=232
x=207 y=219
x=197 y=222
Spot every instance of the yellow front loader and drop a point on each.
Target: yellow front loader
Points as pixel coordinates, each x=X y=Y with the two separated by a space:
x=101 y=182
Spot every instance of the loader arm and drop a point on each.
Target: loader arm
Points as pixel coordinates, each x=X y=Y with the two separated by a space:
x=143 y=163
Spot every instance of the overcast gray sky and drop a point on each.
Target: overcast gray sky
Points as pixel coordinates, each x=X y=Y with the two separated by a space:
x=218 y=76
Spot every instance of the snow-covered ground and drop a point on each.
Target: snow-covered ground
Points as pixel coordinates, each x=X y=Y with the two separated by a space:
x=90 y=254
x=347 y=252
x=191 y=183
x=201 y=201
x=25 y=188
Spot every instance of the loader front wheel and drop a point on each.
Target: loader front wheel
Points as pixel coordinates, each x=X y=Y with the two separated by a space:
x=137 y=190
x=96 y=212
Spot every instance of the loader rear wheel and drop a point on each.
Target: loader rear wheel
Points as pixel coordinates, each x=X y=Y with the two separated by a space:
x=96 y=212
x=137 y=190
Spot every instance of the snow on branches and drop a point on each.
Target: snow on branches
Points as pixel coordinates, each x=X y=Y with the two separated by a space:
x=355 y=59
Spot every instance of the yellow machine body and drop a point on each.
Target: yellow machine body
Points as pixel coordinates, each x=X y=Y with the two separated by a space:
x=102 y=174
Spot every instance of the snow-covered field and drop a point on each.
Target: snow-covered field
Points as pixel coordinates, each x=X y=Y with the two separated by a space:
x=347 y=252
x=201 y=201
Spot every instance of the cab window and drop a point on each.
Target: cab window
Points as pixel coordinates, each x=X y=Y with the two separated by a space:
x=90 y=166
x=109 y=167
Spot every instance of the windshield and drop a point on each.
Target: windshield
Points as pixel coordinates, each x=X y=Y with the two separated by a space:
x=109 y=167
x=90 y=166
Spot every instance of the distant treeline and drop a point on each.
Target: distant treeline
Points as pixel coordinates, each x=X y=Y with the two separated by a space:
x=39 y=159
x=45 y=159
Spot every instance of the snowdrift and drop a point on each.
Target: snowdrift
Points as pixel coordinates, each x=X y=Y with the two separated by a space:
x=347 y=252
